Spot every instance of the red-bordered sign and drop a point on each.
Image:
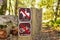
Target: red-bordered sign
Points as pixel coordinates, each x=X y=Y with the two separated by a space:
x=24 y=29
x=24 y=14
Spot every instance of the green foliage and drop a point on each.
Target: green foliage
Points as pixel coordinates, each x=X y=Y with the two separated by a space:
x=58 y=21
x=3 y=26
x=25 y=3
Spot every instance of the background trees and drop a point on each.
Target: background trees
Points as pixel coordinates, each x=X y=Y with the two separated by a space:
x=50 y=9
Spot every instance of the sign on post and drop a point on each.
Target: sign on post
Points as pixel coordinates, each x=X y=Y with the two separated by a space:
x=24 y=29
x=24 y=14
x=24 y=18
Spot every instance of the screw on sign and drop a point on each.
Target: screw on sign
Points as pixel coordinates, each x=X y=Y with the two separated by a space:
x=24 y=29
x=24 y=14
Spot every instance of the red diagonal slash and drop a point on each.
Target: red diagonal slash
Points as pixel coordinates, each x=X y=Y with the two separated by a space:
x=25 y=14
x=21 y=25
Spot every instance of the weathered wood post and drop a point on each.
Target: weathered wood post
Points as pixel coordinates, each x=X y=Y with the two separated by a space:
x=36 y=23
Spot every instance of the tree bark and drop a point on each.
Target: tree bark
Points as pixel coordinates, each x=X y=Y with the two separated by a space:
x=3 y=9
x=16 y=8
x=57 y=10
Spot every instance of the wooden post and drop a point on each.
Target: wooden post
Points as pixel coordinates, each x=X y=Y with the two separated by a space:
x=35 y=25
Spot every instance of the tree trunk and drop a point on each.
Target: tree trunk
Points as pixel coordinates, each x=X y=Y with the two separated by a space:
x=16 y=8
x=57 y=10
x=3 y=9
